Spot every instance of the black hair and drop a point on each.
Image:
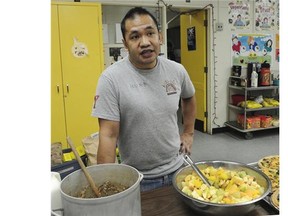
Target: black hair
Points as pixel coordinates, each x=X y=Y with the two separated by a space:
x=131 y=15
x=268 y=41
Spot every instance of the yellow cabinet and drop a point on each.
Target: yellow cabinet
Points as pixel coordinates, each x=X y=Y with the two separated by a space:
x=76 y=64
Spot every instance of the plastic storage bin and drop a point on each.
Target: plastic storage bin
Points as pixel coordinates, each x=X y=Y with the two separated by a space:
x=66 y=168
x=237 y=98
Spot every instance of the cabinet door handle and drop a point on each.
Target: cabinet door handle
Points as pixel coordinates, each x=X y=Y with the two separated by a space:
x=67 y=87
x=58 y=88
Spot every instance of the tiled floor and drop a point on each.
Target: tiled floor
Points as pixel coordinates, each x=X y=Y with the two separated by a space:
x=233 y=146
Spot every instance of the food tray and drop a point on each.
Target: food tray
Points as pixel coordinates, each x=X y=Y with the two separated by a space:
x=275 y=197
x=267 y=199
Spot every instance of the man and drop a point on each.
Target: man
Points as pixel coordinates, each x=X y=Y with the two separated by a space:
x=238 y=21
x=136 y=102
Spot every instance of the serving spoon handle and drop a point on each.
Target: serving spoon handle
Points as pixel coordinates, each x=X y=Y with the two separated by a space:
x=84 y=169
x=189 y=161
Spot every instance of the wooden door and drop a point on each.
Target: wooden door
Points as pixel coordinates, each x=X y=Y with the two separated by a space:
x=193 y=57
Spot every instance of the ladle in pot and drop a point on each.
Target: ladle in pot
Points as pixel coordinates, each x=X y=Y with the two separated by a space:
x=188 y=160
x=88 y=176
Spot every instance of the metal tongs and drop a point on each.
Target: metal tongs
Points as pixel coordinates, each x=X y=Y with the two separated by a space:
x=188 y=160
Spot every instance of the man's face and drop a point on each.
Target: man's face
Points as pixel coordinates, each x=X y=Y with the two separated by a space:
x=142 y=40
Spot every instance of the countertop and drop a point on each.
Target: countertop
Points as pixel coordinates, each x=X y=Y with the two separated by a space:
x=166 y=201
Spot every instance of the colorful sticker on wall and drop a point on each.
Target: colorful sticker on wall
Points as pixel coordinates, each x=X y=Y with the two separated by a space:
x=277 y=48
x=191 y=38
x=266 y=15
x=248 y=48
x=79 y=49
x=239 y=14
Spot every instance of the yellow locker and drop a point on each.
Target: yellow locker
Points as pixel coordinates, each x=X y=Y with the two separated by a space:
x=77 y=62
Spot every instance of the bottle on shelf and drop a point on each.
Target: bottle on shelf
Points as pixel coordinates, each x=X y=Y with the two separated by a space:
x=258 y=70
x=254 y=77
x=265 y=74
x=250 y=67
x=249 y=72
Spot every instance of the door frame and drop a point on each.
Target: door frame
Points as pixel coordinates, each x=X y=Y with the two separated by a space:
x=209 y=58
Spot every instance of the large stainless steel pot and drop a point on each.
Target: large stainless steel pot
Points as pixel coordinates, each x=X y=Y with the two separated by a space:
x=124 y=203
x=208 y=208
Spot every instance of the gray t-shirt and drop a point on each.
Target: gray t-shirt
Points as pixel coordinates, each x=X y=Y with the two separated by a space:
x=146 y=103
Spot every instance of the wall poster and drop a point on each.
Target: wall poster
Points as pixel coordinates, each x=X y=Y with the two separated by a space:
x=239 y=14
x=191 y=38
x=266 y=15
x=251 y=48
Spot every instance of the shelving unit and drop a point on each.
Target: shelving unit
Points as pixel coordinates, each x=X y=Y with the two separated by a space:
x=248 y=91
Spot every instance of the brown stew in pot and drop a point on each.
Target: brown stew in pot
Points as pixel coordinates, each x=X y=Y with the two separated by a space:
x=106 y=189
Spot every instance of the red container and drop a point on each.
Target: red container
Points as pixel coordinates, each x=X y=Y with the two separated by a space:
x=237 y=98
x=265 y=74
x=251 y=121
x=266 y=121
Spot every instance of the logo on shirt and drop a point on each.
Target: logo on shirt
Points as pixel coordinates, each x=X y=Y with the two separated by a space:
x=95 y=99
x=170 y=87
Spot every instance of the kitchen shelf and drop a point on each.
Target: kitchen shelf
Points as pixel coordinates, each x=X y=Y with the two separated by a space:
x=246 y=91
x=252 y=110
x=236 y=126
x=248 y=132
x=254 y=88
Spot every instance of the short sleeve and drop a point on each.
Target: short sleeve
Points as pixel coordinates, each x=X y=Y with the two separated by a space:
x=106 y=104
x=187 y=87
